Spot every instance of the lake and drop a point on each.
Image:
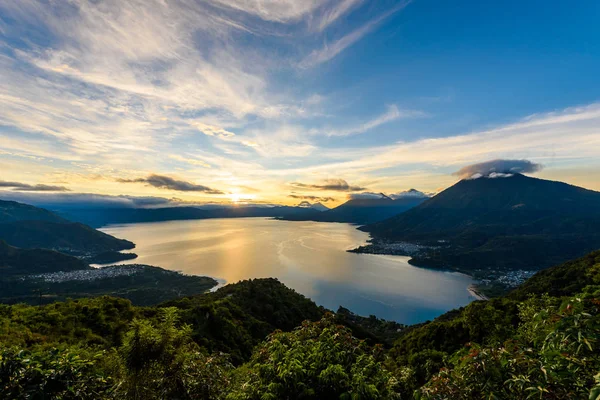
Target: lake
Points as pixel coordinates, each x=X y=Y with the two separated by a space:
x=309 y=257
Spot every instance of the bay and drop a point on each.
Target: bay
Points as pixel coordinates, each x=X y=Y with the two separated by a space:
x=310 y=257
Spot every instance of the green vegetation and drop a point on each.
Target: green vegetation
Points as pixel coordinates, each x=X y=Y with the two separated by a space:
x=30 y=227
x=319 y=360
x=249 y=341
x=563 y=280
x=142 y=284
x=71 y=238
x=15 y=261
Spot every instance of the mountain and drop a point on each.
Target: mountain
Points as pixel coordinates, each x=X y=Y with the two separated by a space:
x=313 y=206
x=14 y=261
x=73 y=238
x=513 y=222
x=319 y=207
x=11 y=211
x=98 y=217
x=362 y=210
x=29 y=227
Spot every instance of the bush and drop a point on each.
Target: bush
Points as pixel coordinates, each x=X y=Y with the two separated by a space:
x=319 y=360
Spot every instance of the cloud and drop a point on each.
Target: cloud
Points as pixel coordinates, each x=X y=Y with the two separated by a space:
x=498 y=168
x=330 y=16
x=331 y=50
x=311 y=198
x=367 y=195
x=211 y=130
x=558 y=138
x=393 y=113
x=338 y=185
x=25 y=187
x=166 y=182
x=411 y=193
x=272 y=10
x=88 y=200
x=189 y=160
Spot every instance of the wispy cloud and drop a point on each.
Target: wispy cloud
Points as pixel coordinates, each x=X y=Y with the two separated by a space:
x=166 y=182
x=331 y=50
x=330 y=16
x=570 y=134
x=392 y=113
x=211 y=130
x=189 y=160
x=25 y=187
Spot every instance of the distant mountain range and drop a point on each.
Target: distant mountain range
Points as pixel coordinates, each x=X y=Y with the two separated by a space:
x=98 y=217
x=31 y=227
x=364 y=210
x=514 y=222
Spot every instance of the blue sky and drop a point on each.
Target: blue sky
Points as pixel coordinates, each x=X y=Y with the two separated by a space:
x=243 y=99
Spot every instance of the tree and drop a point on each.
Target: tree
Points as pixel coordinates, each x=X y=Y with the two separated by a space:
x=319 y=360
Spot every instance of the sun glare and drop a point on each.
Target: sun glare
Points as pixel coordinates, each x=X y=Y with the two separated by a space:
x=241 y=197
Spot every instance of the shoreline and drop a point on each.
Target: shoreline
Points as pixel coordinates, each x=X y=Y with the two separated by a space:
x=474 y=291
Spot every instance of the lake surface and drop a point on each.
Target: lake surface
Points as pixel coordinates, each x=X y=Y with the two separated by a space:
x=309 y=257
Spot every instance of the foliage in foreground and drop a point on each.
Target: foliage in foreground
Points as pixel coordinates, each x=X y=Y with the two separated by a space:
x=543 y=347
x=319 y=360
x=554 y=355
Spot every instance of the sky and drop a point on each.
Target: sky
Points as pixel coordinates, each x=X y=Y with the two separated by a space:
x=283 y=101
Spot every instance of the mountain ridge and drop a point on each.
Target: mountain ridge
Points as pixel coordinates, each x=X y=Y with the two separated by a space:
x=515 y=222
x=362 y=210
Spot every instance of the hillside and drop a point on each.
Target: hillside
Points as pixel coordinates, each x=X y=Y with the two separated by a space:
x=496 y=320
x=11 y=211
x=14 y=261
x=563 y=280
x=233 y=319
x=72 y=238
x=143 y=285
x=362 y=210
x=499 y=223
x=248 y=341
x=30 y=227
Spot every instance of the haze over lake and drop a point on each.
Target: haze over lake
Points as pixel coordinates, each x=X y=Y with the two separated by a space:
x=309 y=257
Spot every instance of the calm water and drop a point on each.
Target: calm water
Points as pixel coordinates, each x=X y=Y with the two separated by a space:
x=310 y=257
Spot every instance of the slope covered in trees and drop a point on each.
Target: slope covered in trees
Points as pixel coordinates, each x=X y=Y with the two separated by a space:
x=29 y=227
x=240 y=343
x=11 y=211
x=15 y=261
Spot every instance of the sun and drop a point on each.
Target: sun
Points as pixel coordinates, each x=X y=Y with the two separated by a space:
x=237 y=197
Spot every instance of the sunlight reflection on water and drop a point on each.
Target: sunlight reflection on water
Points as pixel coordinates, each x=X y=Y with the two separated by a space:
x=310 y=257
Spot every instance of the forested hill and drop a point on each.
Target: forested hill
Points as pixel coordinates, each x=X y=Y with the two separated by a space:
x=226 y=345
x=14 y=261
x=29 y=227
x=13 y=211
